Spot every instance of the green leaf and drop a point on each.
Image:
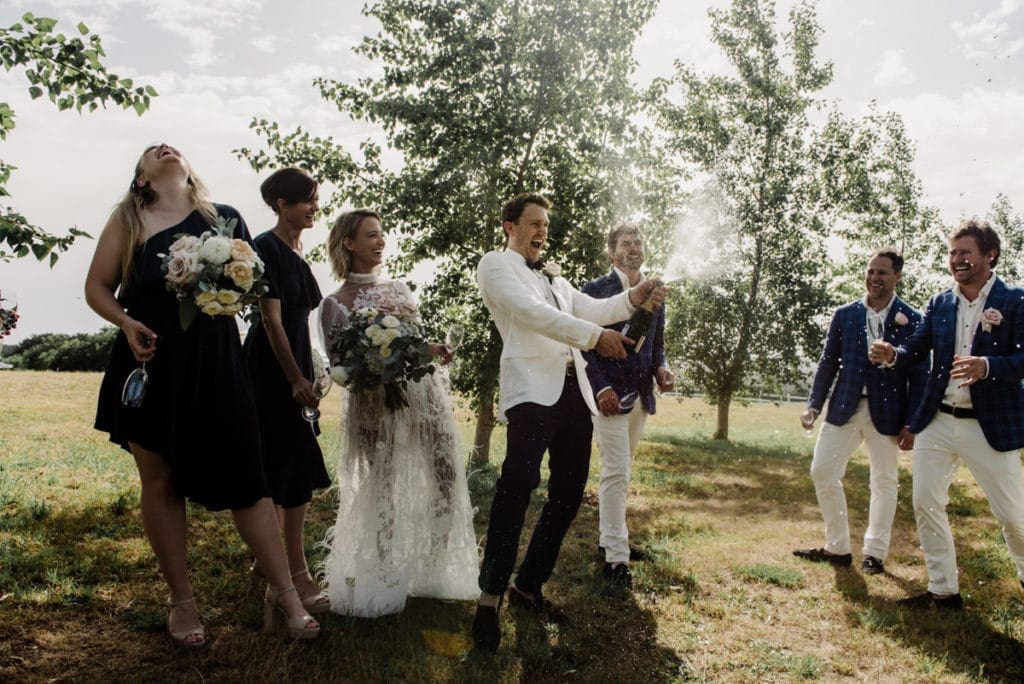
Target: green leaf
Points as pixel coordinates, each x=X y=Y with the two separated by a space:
x=140 y=106
x=45 y=24
x=151 y=91
x=82 y=28
x=35 y=92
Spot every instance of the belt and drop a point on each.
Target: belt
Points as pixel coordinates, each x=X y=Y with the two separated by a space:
x=957 y=411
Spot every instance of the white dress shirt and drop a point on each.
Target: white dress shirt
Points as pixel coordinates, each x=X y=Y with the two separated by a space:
x=968 y=316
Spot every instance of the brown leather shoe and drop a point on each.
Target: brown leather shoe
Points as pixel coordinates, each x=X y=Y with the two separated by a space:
x=536 y=604
x=486 y=628
x=928 y=599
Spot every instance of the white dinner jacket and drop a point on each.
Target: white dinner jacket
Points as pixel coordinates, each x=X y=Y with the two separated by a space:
x=534 y=333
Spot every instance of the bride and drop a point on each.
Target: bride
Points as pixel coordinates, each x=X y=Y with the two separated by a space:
x=405 y=524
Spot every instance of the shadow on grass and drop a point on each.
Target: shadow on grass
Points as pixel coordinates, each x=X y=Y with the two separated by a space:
x=962 y=641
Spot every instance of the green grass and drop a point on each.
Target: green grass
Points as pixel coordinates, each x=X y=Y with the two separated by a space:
x=721 y=598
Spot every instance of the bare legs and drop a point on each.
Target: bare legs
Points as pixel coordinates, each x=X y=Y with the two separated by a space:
x=163 y=521
x=293 y=523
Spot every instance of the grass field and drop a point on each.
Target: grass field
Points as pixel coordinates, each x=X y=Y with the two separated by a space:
x=722 y=599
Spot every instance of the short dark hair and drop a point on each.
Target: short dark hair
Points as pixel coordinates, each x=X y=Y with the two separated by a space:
x=983 y=233
x=291 y=184
x=513 y=209
x=890 y=253
x=620 y=229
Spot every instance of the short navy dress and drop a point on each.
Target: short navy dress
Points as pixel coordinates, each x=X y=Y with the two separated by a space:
x=291 y=454
x=198 y=412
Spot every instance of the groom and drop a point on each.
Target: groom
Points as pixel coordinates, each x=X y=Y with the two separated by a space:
x=544 y=395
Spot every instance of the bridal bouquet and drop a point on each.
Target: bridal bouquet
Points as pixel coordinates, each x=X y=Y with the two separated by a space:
x=8 y=321
x=214 y=273
x=376 y=349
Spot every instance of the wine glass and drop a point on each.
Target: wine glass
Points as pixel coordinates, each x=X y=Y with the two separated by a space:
x=321 y=385
x=453 y=338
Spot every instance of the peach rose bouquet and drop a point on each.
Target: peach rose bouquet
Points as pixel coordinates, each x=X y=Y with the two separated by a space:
x=215 y=273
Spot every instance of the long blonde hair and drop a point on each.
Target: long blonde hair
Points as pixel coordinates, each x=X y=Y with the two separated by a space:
x=346 y=226
x=129 y=211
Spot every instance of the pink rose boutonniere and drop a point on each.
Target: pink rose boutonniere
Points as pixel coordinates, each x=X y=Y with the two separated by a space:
x=900 y=318
x=990 y=318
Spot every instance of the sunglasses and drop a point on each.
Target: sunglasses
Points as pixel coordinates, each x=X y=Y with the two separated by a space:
x=134 y=390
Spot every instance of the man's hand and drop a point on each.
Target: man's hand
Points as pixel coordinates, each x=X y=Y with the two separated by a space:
x=608 y=402
x=651 y=287
x=612 y=344
x=666 y=381
x=906 y=439
x=881 y=352
x=970 y=368
x=807 y=418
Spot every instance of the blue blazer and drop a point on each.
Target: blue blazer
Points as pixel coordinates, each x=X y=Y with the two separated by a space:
x=893 y=393
x=636 y=372
x=998 y=399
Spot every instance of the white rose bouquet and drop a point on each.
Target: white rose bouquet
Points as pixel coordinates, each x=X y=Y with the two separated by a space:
x=215 y=273
x=379 y=349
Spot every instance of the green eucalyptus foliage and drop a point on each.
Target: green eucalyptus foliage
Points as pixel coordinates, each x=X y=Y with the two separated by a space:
x=69 y=72
x=483 y=99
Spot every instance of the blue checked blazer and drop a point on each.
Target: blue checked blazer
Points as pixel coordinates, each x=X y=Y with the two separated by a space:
x=998 y=399
x=635 y=373
x=893 y=393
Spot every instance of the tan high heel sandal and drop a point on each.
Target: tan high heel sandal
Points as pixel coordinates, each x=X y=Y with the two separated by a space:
x=317 y=604
x=273 y=613
x=190 y=639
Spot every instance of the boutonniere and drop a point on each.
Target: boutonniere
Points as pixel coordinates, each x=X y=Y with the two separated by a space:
x=900 y=318
x=990 y=318
x=551 y=270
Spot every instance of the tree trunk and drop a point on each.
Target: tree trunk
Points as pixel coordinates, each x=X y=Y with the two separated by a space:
x=481 y=452
x=722 y=431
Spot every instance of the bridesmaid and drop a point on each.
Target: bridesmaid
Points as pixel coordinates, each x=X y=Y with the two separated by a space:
x=194 y=375
x=279 y=359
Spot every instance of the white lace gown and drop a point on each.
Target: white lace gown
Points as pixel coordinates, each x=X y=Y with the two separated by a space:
x=405 y=522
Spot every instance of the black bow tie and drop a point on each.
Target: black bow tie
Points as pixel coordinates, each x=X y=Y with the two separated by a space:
x=535 y=265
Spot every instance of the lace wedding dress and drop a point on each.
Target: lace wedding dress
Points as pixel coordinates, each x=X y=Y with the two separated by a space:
x=405 y=523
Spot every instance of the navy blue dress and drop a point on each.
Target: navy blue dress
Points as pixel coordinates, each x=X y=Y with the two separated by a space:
x=291 y=455
x=198 y=412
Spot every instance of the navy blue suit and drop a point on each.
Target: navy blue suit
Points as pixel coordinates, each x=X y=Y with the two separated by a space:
x=636 y=372
x=999 y=398
x=893 y=393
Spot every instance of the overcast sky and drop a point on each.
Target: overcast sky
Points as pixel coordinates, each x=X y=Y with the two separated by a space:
x=952 y=69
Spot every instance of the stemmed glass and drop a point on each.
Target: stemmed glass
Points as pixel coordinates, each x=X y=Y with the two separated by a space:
x=876 y=329
x=321 y=385
x=453 y=338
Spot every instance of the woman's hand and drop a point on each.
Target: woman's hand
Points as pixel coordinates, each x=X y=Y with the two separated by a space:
x=440 y=350
x=141 y=339
x=303 y=393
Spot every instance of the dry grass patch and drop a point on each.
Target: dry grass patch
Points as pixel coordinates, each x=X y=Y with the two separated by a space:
x=721 y=599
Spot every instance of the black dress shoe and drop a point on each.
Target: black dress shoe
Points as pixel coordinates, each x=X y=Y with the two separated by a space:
x=823 y=556
x=486 y=630
x=536 y=604
x=618 y=574
x=872 y=566
x=927 y=599
x=635 y=554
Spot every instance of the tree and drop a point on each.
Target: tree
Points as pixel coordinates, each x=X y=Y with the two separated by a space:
x=69 y=72
x=61 y=352
x=1010 y=226
x=867 y=172
x=751 y=318
x=484 y=99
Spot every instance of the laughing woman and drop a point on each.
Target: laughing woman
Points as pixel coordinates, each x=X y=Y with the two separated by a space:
x=196 y=377
x=280 y=361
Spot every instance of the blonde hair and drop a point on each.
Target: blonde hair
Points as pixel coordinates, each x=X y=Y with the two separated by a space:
x=346 y=226
x=129 y=211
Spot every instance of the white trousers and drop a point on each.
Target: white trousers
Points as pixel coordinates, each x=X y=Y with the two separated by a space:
x=835 y=446
x=617 y=436
x=938 y=451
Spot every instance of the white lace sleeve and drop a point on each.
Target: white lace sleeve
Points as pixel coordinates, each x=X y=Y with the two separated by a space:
x=407 y=305
x=331 y=316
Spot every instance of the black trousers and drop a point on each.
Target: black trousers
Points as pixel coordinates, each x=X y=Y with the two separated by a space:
x=564 y=430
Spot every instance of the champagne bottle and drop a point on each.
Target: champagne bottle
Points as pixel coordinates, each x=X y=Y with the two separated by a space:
x=639 y=325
